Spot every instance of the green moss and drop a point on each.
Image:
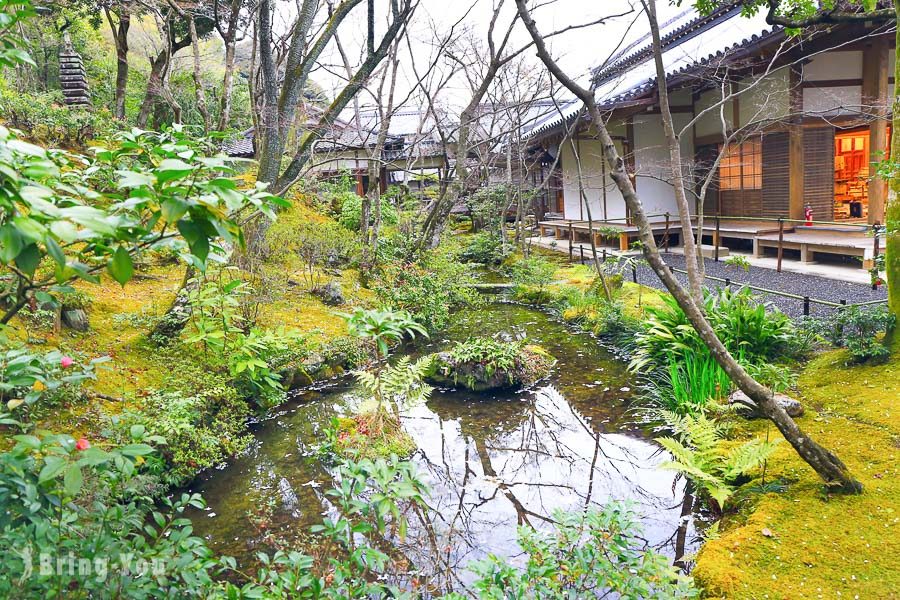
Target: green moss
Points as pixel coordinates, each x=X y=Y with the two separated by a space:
x=372 y=435
x=803 y=543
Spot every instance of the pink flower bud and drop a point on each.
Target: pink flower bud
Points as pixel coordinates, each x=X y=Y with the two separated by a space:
x=82 y=444
x=66 y=362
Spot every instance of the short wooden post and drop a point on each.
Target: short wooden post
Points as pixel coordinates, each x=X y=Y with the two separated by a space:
x=604 y=254
x=805 y=306
x=715 y=240
x=634 y=273
x=666 y=235
x=780 y=242
x=727 y=282
x=571 y=240
x=875 y=251
x=840 y=327
x=581 y=251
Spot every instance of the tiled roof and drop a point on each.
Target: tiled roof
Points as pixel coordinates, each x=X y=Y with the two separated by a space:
x=691 y=43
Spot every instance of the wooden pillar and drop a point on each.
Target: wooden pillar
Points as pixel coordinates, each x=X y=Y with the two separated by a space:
x=796 y=202
x=623 y=242
x=875 y=99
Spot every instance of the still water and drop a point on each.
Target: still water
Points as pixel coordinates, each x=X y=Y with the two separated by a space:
x=494 y=461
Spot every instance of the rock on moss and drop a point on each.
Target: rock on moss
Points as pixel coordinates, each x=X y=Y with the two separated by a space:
x=486 y=364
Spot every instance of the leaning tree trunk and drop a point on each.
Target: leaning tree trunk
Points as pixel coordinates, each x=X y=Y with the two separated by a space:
x=155 y=84
x=825 y=463
x=692 y=258
x=177 y=316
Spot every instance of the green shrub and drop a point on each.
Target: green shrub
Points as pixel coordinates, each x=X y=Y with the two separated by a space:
x=534 y=271
x=746 y=328
x=351 y=212
x=45 y=119
x=858 y=330
x=429 y=290
x=485 y=248
x=201 y=430
x=598 y=553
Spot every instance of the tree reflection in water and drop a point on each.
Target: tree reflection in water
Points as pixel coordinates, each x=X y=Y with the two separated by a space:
x=494 y=462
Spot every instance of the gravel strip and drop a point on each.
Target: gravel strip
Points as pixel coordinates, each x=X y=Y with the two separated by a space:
x=801 y=284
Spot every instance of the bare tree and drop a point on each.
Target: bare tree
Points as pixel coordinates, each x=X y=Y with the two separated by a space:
x=231 y=34
x=824 y=462
x=281 y=95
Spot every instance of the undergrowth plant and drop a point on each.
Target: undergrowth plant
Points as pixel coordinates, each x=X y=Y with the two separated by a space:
x=701 y=453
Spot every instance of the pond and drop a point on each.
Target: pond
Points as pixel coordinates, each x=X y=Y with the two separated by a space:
x=494 y=461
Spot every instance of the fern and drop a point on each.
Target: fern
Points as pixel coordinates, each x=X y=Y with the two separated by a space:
x=698 y=452
x=397 y=384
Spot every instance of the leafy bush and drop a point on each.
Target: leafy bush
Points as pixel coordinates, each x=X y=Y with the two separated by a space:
x=699 y=453
x=746 y=328
x=45 y=119
x=858 y=329
x=26 y=376
x=65 y=502
x=533 y=271
x=599 y=553
x=429 y=290
x=201 y=430
x=351 y=212
x=253 y=355
x=485 y=248
x=317 y=245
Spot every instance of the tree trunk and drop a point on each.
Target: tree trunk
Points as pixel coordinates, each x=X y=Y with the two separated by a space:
x=198 y=75
x=154 y=86
x=230 y=39
x=892 y=210
x=120 y=35
x=826 y=464
x=692 y=258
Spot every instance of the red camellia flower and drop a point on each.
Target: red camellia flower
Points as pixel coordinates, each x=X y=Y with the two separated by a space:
x=82 y=444
x=66 y=362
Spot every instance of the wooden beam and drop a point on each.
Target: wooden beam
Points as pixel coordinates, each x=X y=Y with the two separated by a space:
x=796 y=204
x=875 y=95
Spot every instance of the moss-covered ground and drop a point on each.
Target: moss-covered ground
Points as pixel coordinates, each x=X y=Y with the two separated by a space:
x=803 y=542
x=121 y=318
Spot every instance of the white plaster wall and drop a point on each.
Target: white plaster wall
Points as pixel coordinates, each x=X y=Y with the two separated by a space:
x=764 y=99
x=652 y=163
x=652 y=169
x=832 y=100
x=839 y=64
x=710 y=123
x=595 y=179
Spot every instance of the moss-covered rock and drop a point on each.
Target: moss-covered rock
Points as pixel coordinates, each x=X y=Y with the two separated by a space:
x=481 y=364
x=372 y=435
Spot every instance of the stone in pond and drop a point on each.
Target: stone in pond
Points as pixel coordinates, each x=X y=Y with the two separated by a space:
x=791 y=406
x=531 y=364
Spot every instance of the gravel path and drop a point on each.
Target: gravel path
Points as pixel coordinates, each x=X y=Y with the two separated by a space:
x=801 y=284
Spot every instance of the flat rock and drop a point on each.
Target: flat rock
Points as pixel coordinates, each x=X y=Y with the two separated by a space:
x=76 y=318
x=790 y=405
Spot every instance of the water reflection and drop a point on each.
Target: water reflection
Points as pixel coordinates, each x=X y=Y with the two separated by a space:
x=494 y=462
